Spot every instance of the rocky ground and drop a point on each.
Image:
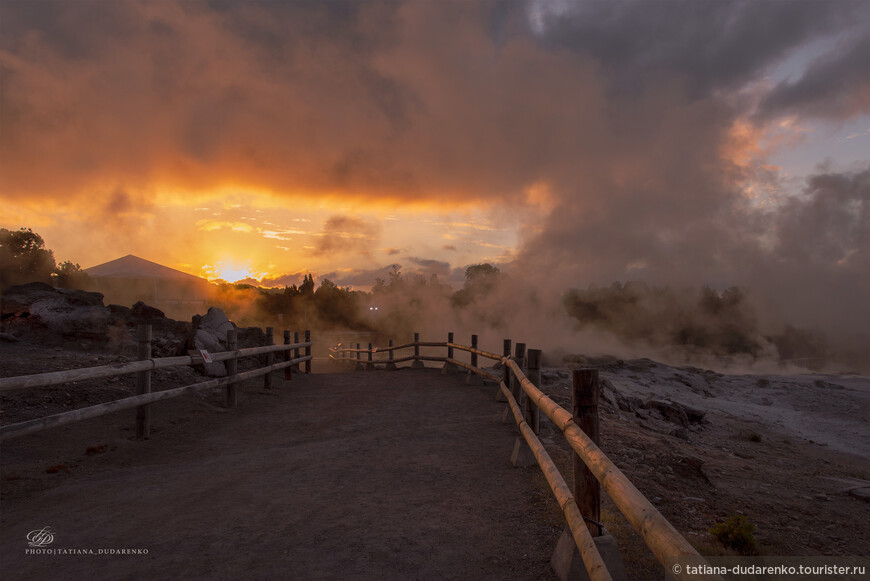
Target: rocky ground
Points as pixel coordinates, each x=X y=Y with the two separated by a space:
x=789 y=452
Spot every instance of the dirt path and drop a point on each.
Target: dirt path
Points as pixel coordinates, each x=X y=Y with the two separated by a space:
x=402 y=475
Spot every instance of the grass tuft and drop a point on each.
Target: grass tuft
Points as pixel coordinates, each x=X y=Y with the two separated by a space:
x=736 y=534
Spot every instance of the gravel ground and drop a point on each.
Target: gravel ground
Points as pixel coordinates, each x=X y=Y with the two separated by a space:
x=403 y=475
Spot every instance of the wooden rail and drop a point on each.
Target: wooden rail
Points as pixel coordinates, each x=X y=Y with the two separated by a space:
x=585 y=544
x=658 y=534
x=145 y=397
x=66 y=376
x=581 y=508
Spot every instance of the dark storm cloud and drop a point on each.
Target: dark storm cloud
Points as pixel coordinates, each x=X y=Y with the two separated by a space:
x=704 y=45
x=193 y=94
x=346 y=234
x=835 y=86
x=361 y=277
x=59 y=26
x=429 y=266
x=408 y=100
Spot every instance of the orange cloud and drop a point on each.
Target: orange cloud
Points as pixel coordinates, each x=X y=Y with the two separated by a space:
x=210 y=225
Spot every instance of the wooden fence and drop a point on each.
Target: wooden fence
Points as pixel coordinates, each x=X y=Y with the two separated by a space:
x=592 y=469
x=143 y=367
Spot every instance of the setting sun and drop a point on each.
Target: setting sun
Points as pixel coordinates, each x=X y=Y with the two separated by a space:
x=228 y=270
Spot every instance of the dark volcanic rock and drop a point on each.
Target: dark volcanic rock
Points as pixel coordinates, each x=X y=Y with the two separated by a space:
x=41 y=314
x=672 y=412
x=47 y=314
x=119 y=315
x=252 y=337
x=676 y=413
x=142 y=313
x=694 y=414
x=19 y=298
x=628 y=403
x=82 y=298
x=681 y=433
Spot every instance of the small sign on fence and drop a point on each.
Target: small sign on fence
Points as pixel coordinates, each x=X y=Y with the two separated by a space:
x=206 y=356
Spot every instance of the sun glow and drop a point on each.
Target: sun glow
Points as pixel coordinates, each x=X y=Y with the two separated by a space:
x=229 y=271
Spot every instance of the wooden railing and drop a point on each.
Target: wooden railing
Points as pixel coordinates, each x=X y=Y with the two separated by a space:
x=143 y=369
x=592 y=468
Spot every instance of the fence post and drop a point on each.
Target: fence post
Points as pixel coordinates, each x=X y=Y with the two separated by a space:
x=298 y=366
x=587 y=491
x=143 y=383
x=532 y=413
x=308 y=351
x=359 y=365
x=449 y=367
x=287 y=356
x=520 y=358
x=417 y=364
x=270 y=357
x=232 y=367
x=473 y=378
x=390 y=365
x=522 y=456
x=499 y=396
x=515 y=387
x=370 y=366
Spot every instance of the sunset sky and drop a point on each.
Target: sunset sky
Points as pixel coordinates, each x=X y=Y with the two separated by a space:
x=701 y=142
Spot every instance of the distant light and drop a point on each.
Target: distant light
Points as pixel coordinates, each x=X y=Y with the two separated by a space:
x=373 y=308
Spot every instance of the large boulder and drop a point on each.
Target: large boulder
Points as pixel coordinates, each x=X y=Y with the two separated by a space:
x=72 y=321
x=47 y=314
x=211 y=335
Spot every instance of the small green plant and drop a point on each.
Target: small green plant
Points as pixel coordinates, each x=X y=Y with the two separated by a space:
x=736 y=533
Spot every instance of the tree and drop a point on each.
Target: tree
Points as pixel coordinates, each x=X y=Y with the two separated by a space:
x=307 y=286
x=24 y=258
x=480 y=281
x=70 y=275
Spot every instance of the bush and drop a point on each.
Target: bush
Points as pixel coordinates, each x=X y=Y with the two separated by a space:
x=736 y=534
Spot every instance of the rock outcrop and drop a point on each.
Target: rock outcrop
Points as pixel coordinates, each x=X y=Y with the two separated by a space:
x=211 y=336
x=76 y=319
x=53 y=316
